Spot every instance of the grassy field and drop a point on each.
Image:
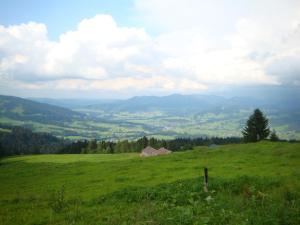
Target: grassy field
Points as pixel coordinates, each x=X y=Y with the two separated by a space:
x=249 y=184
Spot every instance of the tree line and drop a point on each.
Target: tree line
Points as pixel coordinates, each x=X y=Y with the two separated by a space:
x=177 y=144
x=21 y=140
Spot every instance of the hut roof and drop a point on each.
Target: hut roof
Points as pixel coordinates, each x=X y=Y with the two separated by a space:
x=164 y=151
x=149 y=151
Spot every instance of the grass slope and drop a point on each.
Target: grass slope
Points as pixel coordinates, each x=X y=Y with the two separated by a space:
x=249 y=184
x=20 y=109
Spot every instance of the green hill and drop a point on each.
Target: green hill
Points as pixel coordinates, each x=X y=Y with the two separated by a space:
x=248 y=184
x=26 y=110
x=40 y=117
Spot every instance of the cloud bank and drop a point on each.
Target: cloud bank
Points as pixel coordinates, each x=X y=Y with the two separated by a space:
x=200 y=45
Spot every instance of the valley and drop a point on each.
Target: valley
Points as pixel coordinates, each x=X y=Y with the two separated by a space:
x=160 y=117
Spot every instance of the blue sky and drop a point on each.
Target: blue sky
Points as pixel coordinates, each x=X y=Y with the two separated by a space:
x=60 y=16
x=117 y=49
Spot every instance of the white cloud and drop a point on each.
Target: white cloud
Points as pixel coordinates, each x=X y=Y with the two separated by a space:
x=97 y=55
x=226 y=42
x=22 y=48
x=200 y=44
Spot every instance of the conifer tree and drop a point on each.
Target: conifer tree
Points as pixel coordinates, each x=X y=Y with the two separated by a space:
x=257 y=127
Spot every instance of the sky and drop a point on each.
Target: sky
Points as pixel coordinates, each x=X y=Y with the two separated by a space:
x=119 y=49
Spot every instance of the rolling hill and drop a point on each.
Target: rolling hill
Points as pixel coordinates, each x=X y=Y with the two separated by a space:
x=248 y=184
x=26 y=110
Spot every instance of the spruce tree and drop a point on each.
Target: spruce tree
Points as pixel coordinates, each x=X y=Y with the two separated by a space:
x=256 y=128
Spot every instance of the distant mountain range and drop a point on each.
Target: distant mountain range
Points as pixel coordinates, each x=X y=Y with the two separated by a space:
x=173 y=104
x=192 y=104
x=71 y=103
x=270 y=99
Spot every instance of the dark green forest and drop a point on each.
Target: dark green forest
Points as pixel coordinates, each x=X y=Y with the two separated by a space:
x=20 y=140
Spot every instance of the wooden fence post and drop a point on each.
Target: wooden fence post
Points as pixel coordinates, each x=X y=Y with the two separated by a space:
x=205 y=180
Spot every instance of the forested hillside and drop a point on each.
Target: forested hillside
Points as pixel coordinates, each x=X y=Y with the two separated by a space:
x=20 y=141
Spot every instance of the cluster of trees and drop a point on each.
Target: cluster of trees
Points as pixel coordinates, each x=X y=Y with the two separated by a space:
x=22 y=140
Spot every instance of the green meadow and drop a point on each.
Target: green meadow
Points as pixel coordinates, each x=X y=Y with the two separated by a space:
x=255 y=183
